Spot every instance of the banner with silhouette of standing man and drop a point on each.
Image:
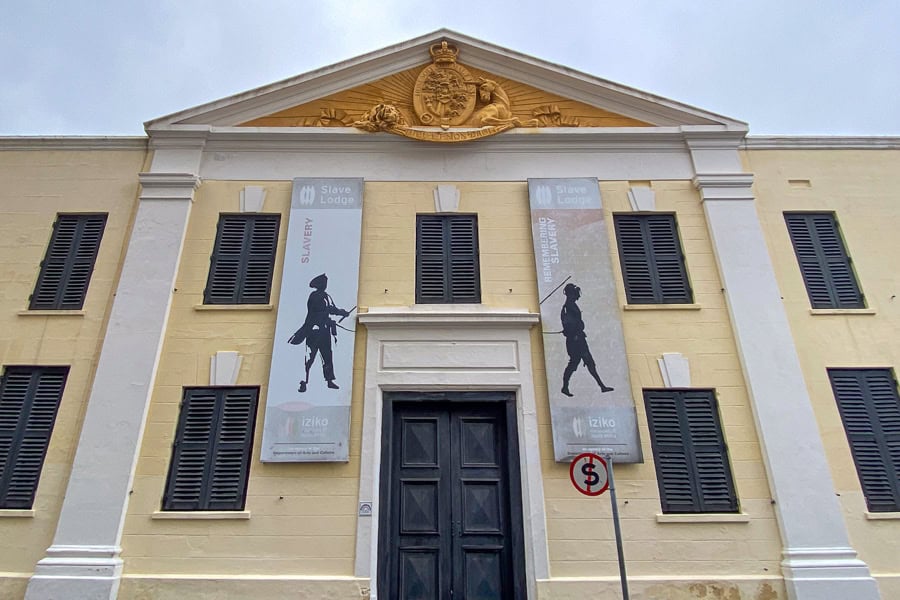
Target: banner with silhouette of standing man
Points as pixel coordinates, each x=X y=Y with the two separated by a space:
x=308 y=402
x=591 y=407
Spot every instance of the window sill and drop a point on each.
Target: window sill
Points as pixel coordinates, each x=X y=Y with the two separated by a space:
x=51 y=313
x=704 y=518
x=16 y=513
x=842 y=311
x=201 y=515
x=883 y=516
x=202 y=307
x=661 y=307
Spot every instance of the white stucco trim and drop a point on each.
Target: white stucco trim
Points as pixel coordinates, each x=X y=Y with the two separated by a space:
x=704 y=518
x=200 y=515
x=675 y=370
x=428 y=348
x=51 y=313
x=842 y=311
x=883 y=516
x=662 y=306
x=16 y=513
x=244 y=307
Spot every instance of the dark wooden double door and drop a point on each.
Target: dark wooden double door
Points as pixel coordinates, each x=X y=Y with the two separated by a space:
x=451 y=525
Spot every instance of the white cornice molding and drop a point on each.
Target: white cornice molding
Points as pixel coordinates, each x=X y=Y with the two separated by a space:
x=349 y=139
x=475 y=53
x=724 y=186
x=73 y=142
x=723 y=180
x=179 y=180
x=180 y=137
x=821 y=142
x=713 y=138
x=168 y=186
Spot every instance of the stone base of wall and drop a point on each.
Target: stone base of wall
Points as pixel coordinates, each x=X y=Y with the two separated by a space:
x=12 y=585
x=214 y=587
x=657 y=588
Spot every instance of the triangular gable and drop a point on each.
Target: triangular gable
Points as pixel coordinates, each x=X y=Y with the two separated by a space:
x=526 y=103
x=532 y=79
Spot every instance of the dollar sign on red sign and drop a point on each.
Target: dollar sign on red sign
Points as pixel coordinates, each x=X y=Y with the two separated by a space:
x=591 y=478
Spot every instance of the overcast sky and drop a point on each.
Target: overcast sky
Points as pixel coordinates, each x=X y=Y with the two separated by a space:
x=99 y=67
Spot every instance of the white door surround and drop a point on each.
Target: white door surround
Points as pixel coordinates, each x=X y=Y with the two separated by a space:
x=451 y=347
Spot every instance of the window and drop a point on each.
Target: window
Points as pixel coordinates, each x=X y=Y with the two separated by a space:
x=824 y=262
x=66 y=269
x=652 y=259
x=447 y=259
x=211 y=454
x=689 y=451
x=242 y=261
x=870 y=409
x=29 y=400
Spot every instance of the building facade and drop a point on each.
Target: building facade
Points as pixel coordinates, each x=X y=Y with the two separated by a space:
x=188 y=409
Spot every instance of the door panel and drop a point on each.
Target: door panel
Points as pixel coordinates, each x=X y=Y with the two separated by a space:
x=447 y=531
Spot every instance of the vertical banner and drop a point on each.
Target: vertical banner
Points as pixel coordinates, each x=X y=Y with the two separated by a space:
x=591 y=408
x=308 y=404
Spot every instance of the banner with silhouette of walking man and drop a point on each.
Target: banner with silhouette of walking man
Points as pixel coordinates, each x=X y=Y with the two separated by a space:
x=308 y=402
x=591 y=406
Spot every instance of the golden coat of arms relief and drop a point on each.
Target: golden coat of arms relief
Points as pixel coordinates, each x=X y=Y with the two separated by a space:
x=445 y=96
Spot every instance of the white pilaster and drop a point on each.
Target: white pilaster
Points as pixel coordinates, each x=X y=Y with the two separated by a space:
x=83 y=563
x=818 y=562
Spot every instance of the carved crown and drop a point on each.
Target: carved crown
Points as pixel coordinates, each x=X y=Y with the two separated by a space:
x=444 y=52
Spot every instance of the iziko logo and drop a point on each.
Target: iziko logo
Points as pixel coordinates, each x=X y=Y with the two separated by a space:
x=307 y=195
x=543 y=195
x=578 y=427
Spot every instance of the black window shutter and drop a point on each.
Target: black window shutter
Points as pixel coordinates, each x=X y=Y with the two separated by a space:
x=447 y=267
x=243 y=259
x=689 y=451
x=66 y=271
x=211 y=455
x=870 y=410
x=29 y=401
x=824 y=262
x=652 y=259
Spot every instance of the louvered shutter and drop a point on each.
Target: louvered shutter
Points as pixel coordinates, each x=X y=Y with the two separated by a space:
x=652 y=259
x=66 y=271
x=465 y=280
x=870 y=410
x=824 y=262
x=432 y=279
x=231 y=453
x=447 y=267
x=29 y=402
x=690 y=453
x=243 y=260
x=211 y=455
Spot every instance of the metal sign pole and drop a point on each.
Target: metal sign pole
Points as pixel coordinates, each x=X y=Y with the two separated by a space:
x=615 y=513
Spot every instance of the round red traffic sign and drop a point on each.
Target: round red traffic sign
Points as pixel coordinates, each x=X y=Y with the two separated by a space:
x=589 y=474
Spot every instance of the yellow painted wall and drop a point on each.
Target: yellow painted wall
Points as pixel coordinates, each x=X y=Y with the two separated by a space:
x=303 y=519
x=861 y=187
x=36 y=186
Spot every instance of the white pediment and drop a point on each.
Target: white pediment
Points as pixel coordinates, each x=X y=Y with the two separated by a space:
x=551 y=78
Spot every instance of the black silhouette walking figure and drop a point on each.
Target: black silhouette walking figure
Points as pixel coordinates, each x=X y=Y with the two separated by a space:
x=318 y=329
x=576 y=341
